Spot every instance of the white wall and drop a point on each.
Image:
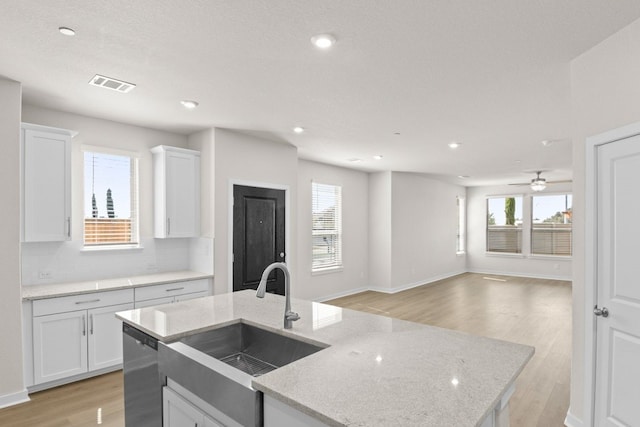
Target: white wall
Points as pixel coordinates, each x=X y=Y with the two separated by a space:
x=424 y=223
x=250 y=160
x=481 y=262
x=605 y=94
x=204 y=142
x=11 y=383
x=65 y=261
x=354 y=276
x=380 y=230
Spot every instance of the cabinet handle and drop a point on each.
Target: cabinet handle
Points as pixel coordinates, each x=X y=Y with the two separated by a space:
x=84 y=325
x=174 y=289
x=87 y=301
x=91 y=324
x=69 y=226
x=168 y=226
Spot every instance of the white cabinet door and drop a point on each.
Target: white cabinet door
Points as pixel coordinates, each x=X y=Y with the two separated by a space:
x=183 y=194
x=177 y=412
x=46 y=186
x=176 y=192
x=105 y=336
x=59 y=345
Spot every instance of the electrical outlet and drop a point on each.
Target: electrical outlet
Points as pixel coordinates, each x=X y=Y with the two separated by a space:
x=44 y=274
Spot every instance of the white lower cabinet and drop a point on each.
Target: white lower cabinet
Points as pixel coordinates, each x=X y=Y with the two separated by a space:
x=59 y=346
x=278 y=414
x=178 y=412
x=73 y=337
x=105 y=337
x=68 y=341
x=166 y=293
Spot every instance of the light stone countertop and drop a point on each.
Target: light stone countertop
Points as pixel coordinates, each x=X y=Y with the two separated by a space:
x=377 y=371
x=34 y=292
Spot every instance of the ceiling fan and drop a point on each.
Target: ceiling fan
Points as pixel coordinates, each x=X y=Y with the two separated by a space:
x=539 y=184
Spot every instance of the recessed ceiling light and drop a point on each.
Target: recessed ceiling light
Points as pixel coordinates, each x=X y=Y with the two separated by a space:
x=298 y=129
x=67 y=31
x=323 y=41
x=354 y=160
x=454 y=144
x=463 y=176
x=546 y=142
x=378 y=157
x=189 y=104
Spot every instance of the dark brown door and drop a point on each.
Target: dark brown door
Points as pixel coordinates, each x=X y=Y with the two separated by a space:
x=258 y=236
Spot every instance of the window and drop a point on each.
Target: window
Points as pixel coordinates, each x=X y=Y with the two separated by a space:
x=461 y=232
x=551 y=225
x=110 y=198
x=327 y=226
x=504 y=224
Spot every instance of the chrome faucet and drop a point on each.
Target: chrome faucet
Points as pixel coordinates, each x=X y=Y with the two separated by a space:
x=289 y=316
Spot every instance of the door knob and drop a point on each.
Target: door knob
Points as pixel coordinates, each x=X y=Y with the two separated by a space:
x=604 y=312
x=281 y=254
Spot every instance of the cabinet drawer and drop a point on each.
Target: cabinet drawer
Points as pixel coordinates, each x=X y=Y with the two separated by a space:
x=81 y=302
x=170 y=289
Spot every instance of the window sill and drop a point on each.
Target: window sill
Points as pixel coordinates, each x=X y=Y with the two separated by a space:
x=552 y=257
x=329 y=270
x=504 y=255
x=111 y=248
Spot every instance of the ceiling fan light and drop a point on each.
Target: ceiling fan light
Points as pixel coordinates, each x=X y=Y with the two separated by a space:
x=538 y=184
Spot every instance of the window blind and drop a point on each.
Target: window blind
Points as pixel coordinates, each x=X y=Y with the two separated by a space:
x=326 y=232
x=461 y=230
x=504 y=239
x=551 y=239
x=551 y=229
x=110 y=199
x=504 y=224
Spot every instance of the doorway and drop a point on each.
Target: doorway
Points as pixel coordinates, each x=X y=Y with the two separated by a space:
x=612 y=298
x=258 y=236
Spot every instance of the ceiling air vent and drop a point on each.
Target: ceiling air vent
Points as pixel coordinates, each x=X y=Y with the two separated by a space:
x=110 y=83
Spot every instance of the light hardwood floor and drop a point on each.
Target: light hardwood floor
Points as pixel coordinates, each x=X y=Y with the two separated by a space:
x=528 y=311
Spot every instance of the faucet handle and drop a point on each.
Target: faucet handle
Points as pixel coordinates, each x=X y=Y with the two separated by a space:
x=290 y=315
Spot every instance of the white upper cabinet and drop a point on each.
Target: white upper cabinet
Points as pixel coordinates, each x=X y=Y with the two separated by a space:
x=176 y=173
x=46 y=183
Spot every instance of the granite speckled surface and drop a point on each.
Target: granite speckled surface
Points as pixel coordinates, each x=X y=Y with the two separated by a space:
x=376 y=371
x=33 y=292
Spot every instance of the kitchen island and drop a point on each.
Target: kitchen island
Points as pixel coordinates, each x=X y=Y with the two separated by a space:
x=374 y=370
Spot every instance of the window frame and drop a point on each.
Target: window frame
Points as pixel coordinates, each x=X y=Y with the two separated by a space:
x=461 y=231
x=519 y=230
x=533 y=229
x=338 y=254
x=134 y=196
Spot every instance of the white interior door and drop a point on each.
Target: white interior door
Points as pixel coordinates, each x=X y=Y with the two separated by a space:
x=617 y=385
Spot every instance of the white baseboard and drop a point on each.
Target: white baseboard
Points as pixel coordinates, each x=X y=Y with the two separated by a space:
x=415 y=284
x=341 y=294
x=14 y=399
x=572 y=420
x=514 y=274
x=433 y=280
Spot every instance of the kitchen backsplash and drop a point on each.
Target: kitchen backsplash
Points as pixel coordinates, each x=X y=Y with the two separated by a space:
x=57 y=262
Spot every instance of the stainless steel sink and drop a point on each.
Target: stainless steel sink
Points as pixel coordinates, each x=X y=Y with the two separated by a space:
x=253 y=350
x=218 y=366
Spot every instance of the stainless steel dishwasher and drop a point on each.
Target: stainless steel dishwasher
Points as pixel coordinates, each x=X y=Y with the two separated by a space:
x=142 y=380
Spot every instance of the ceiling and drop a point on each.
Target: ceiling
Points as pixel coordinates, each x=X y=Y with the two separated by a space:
x=405 y=78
